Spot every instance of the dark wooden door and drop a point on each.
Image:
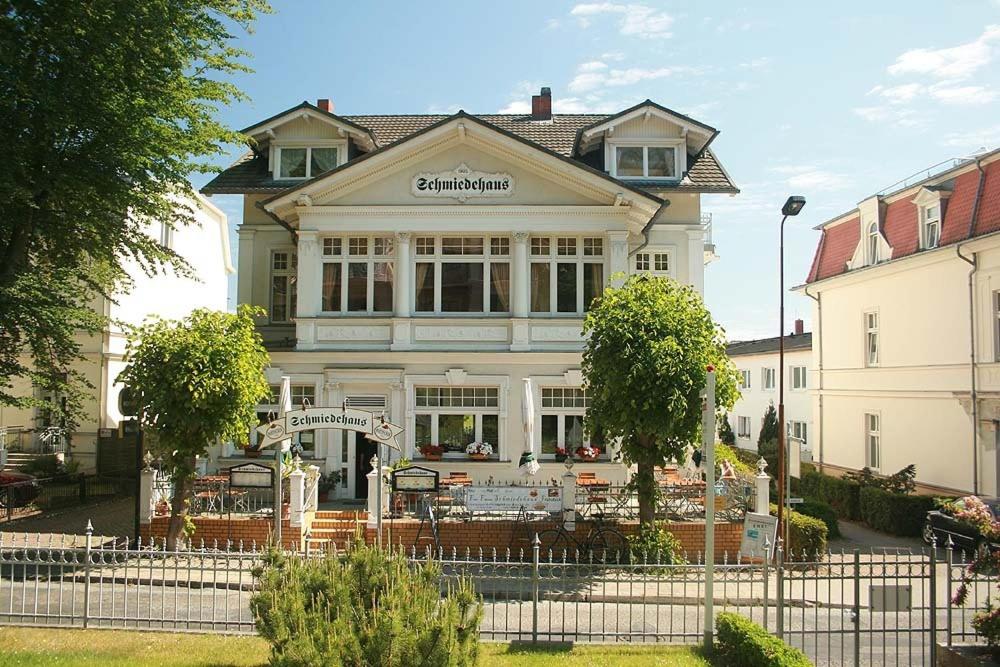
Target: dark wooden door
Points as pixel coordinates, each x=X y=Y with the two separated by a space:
x=364 y=450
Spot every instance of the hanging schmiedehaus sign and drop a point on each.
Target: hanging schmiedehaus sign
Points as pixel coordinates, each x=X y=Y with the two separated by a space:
x=348 y=419
x=462 y=183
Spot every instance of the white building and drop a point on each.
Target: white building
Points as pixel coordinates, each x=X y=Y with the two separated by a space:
x=906 y=350
x=427 y=265
x=757 y=361
x=95 y=444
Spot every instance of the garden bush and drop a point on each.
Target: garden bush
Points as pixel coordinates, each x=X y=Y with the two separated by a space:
x=894 y=513
x=844 y=496
x=364 y=606
x=655 y=545
x=742 y=643
x=731 y=454
x=806 y=535
x=817 y=509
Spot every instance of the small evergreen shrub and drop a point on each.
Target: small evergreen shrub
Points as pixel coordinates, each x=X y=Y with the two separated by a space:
x=806 y=536
x=894 y=513
x=726 y=435
x=655 y=545
x=365 y=606
x=817 y=509
x=843 y=495
x=742 y=643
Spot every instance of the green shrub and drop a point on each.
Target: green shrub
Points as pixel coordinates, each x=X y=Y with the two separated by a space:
x=806 y=536
x=365 y=606
x=817 y=509
x=49 y=466
x=841 y=494
x=903 y=481
x=655 y=545
x=742 y=643
x=894 y=513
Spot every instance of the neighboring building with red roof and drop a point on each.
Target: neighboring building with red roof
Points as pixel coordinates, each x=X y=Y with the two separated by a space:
x=428 y=266
x=906 y=290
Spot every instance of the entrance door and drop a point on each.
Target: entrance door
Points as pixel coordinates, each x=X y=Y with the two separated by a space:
x=364 y=450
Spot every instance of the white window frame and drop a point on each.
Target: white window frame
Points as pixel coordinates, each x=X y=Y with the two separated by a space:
x=680 y=156
x=798 y=430
x=561 y=412
x=344 y=258
x=645 y=261
x=797 y=377
x=553 y=259
x=477 y=412
x=872 y=242
x=341 y=147
x=743 y=427
x=291 y=273
x=746 y=378
x=461 y=378
x=768 y=377
x=872 y=332
x=873 y=437
x=166 y=235
x=297 y=382
x=926 y=221
x=996 y=325
x=438 y=258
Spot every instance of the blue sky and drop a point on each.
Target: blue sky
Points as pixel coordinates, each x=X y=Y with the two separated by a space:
x=833 y=101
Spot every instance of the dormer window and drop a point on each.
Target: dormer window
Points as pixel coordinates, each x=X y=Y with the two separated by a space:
x=650 y=160
x=306 y=161
x=930 y=226
x=872 y=245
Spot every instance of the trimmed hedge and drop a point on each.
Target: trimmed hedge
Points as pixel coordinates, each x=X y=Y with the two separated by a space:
x=843 y=495
x=806 y=535
x=894 y=513
x=743 y=643
x=817 y=509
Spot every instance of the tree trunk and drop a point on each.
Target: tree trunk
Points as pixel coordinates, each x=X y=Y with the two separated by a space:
x=178 y=510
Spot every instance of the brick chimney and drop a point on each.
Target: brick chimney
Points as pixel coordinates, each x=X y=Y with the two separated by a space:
x=799 y=327
x=325 y=104
x=541 y=105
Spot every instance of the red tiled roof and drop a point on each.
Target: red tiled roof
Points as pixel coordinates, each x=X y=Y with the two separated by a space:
x=900 y=220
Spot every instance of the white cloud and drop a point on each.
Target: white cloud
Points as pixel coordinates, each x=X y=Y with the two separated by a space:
x=595 y=74
x=756 y=64
x=553 y=24
x=962 y=95
x=812 y=177
x=617 y=56
x=988 y=138
x=957 y=62
x=897 y=94
x=946 y=92
x=892 y=115
x=592 y=66
x=634 y=19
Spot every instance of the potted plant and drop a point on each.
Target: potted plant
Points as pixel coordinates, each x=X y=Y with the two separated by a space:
x=327 y=483
x=588 y=453
x=561 y=454
x=479 y=451
x=250 y=451
x=432 y=452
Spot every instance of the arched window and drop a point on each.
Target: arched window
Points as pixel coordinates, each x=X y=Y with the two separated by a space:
x=873 y=243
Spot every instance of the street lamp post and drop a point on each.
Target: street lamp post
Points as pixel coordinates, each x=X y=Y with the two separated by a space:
x=792 y=207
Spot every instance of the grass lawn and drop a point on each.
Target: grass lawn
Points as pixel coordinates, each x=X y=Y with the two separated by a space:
x=30 y=647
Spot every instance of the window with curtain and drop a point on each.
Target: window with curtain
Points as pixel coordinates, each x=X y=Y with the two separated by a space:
x=462 y=274
x=567 y=273
x=360 y=280
x=284 y=270
x=562 y=413
x=454 y=417
x=640 y=161
x=306 y=162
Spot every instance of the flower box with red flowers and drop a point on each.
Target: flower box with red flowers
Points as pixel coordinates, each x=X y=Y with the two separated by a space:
x=588 y=453
x=432 y=452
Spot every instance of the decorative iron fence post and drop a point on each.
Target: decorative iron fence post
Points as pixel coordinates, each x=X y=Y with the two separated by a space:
x=536 y=549
x=949 y=555
x=856 y=609
x=86 y=574
x=767 y=557
x=933 y=603
x=781 y=589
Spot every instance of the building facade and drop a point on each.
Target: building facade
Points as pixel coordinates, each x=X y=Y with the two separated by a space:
x=425 y=266
x=906 y=349
x=95 y=444
x=757 y=361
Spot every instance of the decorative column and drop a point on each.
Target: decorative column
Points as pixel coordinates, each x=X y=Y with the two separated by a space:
x=146 y=478
x=297 y=496
x=696 y=259
x=307 y=301
x=335 y=438
x=520 y=277
x=569 y=497
x=402 y=289
x=618 y=243
x=245 y=276
x=762 y=503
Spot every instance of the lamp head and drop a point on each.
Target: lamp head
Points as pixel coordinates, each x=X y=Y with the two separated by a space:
x=793 y=205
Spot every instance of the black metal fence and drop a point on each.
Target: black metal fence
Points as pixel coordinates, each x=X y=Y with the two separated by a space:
x=27 y=497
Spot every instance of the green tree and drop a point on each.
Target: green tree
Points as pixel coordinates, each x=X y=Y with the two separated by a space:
x=649 y=344
x=108 y=106
x=198 y=381
x=726 y=435
x=769 y=427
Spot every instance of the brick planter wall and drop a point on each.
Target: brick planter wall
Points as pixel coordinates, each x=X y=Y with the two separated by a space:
x=220 y=530
x=487 y=535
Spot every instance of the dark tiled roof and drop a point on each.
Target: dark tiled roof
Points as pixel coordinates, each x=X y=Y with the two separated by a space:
x=249 y=173
x=793 y=342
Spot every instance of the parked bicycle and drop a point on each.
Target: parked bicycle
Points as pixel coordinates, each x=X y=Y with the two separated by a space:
x=601 y=544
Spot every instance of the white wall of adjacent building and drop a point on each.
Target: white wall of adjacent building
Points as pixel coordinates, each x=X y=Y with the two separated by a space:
x=747 y=414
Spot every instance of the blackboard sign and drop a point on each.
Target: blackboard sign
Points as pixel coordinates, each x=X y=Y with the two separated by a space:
x=251 y=476
x=416 y=479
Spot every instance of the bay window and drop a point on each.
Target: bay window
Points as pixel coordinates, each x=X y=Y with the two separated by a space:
x=360 y=281
x=305 y=161
x=454 y=417
x=284 y=271
x=562 y=413
x=567 y=273
x=462 y=274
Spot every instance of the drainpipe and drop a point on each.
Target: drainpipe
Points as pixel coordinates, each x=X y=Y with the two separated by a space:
x=291 y=230
x=648 y=226
x=819 y=329
x=972 y=366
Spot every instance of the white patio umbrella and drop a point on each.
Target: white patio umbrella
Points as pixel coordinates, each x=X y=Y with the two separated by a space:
x=528 y=464
x=284 y=407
